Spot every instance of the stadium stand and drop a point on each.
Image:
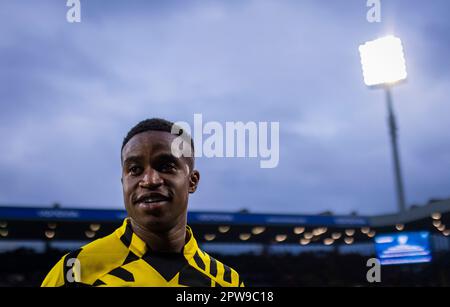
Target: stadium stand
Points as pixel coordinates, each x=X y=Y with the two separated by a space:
x=267 y=249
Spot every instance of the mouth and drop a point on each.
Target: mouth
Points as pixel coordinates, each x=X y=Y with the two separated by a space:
x=152 y=199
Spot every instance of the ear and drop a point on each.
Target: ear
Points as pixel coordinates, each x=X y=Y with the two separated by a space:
x=194 y=178
x=121 y=180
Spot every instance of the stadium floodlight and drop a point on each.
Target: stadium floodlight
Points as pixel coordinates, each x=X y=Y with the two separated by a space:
x=308 y=235
x=224 y=229
x=328 y=241
x=400 y=227
x=299 y=230
x=304 y=241
x=94 y=227
x=3 y=232
x=258 y=230
x=437 y=223
x=336 y=235
x=209 y=236
x=441 y=227
x=244 y=236
x=348 y=240
x=349 y=232
x=383 y=61
x=50 y=234
x=365 y=230
x=281 y=238
x=434 y=216
x=383 y=65
x=89 y=234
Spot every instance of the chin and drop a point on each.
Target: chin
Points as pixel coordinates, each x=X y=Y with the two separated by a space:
x=155 y=223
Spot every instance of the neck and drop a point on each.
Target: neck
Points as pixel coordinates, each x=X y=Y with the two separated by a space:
x=170 y=241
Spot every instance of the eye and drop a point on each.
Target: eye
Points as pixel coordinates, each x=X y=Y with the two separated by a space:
x=168 y=167
x=135 y=170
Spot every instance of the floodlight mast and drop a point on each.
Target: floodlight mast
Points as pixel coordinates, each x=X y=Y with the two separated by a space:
x=383 y=65
x=395 y=152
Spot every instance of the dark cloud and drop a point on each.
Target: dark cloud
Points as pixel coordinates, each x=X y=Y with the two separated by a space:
x=70 y=92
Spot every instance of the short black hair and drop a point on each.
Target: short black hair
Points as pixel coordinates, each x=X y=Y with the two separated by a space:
x=155 y=124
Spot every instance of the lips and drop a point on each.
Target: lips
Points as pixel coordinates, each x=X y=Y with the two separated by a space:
x=151 y=198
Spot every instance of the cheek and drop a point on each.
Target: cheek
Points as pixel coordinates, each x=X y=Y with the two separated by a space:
x=127 y=186
x=181 y=188
x=124 y=186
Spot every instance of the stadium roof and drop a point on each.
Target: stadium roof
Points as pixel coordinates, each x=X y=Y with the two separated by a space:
x=199 y=217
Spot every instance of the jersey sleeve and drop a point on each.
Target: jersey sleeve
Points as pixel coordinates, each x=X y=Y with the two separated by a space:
x=55 y=278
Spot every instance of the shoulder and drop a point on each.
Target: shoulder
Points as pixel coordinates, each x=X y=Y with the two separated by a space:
x=84 y=265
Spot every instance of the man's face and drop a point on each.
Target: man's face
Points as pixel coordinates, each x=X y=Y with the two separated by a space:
x=156 y=184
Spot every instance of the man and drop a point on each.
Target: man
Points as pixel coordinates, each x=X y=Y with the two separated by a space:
x=154 y=246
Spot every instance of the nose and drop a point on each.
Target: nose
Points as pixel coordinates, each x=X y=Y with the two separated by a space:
x=151 y=179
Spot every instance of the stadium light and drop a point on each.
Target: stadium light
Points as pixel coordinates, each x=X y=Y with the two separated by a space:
x=400 y=227
x=365 y=230
x=299 y=230
x=94 y=227
x=3 y=232
x=258 y=230
x=317 y=232
x=437 y=223
x=383 y=61
x=50 y=234
x=244 y=236
x=210 y=236
x=436 y=216
x=383 y=65
x=441 y=228
x=328 y=241
x=89 y=234
x=308 y=235
x=348 y=240
x=224 y=229
x=349 y=232
x=336 y=235
x=304 y=241
x=280 y=238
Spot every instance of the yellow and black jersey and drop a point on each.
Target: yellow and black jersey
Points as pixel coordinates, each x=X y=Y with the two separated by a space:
x=124 y=259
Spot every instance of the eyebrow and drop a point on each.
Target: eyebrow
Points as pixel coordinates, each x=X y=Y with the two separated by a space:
x=167 y=156
x=164 y=156
x=133 y=159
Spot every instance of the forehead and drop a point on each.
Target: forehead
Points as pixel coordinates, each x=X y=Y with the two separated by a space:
x=149 y=142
